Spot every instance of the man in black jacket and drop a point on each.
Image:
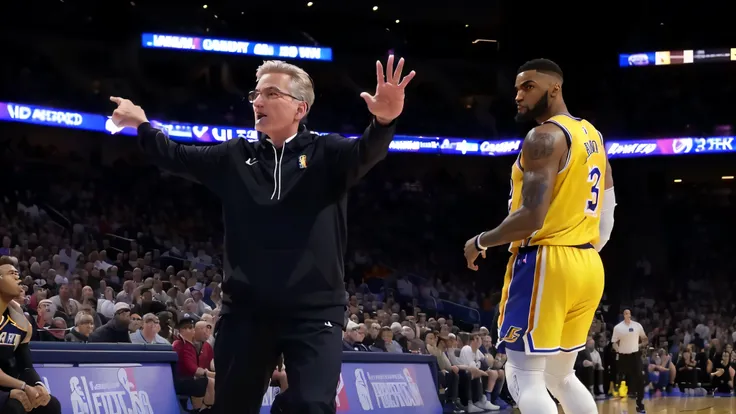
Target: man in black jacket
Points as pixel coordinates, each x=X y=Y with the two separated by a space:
x=284 y=204
x=116 y=329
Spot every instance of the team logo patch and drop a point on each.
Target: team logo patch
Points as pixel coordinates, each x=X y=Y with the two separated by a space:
x=302 y=161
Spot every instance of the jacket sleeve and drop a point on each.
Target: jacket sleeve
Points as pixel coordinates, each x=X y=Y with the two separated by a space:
x=355 y=157
x=204 y=164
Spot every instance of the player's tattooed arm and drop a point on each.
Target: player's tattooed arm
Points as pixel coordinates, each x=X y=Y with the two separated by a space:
x=542 y=154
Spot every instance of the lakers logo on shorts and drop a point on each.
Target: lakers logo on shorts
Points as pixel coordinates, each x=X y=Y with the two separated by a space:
x=512 y=335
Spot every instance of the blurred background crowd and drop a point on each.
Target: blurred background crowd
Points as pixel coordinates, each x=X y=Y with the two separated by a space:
x=113 y=250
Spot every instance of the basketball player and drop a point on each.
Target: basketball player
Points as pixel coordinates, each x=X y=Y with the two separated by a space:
x=560 y=213
x=17 y=375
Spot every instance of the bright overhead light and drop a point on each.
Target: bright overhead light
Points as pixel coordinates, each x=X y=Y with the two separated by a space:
x=727 y=177
x=678 y=180
x=398 y=21
x=375 y=8
x=467 y=25
x=310 y=4
x=204 y=7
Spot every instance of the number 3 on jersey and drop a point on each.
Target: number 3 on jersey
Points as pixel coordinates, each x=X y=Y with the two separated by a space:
x=594 y=178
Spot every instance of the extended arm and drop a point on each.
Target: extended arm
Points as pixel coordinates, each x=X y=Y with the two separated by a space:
x=205 y=164
x=541 y=152
x=355 y=157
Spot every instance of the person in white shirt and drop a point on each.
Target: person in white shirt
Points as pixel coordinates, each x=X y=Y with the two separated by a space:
x=471 y=356
x=626 y=336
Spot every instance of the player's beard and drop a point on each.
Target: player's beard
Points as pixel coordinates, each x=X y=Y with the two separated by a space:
x=535 y=111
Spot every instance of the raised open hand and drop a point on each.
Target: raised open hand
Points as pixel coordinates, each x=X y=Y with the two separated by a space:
x=388 y=101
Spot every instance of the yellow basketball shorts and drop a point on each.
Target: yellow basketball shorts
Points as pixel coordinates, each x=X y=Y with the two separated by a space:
x=549 y=298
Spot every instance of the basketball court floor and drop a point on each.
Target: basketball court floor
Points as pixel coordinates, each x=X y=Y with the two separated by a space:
x=670 y=405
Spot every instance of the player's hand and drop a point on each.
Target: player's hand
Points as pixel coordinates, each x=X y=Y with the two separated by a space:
x=22 y=399
x=32 y=395
x=471 y=253
x=127 y=114
x=43 y=395
x=388 y=101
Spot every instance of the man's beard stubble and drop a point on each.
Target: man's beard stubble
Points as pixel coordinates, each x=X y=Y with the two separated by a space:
x=535 y=111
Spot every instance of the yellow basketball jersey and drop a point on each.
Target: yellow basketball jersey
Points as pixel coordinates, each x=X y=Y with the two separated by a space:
x=574 y=213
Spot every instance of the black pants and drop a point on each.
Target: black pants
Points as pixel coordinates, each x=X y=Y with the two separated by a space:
x=247 y=348
x=630 y=366
x=14 y=406
x=451 y=382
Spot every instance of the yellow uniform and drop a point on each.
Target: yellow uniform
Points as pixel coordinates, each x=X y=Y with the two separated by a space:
x=554 y=279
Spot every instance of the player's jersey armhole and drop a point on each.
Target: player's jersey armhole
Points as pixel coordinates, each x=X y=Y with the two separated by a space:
x=568 y=139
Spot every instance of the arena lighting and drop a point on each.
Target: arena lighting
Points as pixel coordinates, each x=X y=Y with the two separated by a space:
x=484 y=40
x=201 y=133
x=727 y=177
x=678 y=180
x=310 y=4
x=375 y=8
x=204 y=6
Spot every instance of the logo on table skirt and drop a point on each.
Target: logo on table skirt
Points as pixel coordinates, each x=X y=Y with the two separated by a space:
x=389 y=390
x=116 y=396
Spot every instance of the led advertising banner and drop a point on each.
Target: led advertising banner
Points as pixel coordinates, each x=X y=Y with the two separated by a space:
x=201 y=133
x=233 y=46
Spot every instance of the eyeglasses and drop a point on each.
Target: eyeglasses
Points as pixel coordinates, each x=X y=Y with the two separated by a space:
x=271 y=92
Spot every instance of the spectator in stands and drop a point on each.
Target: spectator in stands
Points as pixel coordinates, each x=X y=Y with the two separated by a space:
x=65 y=303
x=117 y=328
x=353 y=337
x=44 y=318
x=383 y=341
x=662 y=371
x=167 y=322
x=84 y=324
x=106 y=305
x=687 y=372
x=205 y=352
x=148 y=333
x=191 y=379
x=136 y=322
x=471 y=356
x=720 y=376
x=448 y=375
x=589 y=369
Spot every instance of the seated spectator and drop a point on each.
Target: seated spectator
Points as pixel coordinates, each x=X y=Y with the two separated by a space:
x=116 y=329
x=687 y=372
x=471 y=356
x=167 y=321
x=64 y=303
x=84 y=324
x=661 y=371
x=148 y=333
x=720 y=377
x=136 y=322
x=383 y=341
x=192 y=380
x=353 y=337
x=106 y=305
x=205 y=353
x=57 y=330
x=449 y=376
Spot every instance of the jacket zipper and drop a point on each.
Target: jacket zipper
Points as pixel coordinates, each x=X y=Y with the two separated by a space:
x=277 y=173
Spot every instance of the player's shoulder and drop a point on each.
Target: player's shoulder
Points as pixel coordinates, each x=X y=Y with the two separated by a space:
x=16 y=314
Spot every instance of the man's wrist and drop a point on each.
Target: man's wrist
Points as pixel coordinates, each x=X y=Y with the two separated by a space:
x=383 y=121
x=478 y=244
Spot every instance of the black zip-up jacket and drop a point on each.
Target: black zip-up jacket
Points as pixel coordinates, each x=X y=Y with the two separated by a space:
x=284 y=212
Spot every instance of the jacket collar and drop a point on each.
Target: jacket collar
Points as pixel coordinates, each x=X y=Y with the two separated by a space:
x=296 y=143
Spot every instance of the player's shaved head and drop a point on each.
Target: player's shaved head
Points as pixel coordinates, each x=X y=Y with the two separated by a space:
x=543 y=66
